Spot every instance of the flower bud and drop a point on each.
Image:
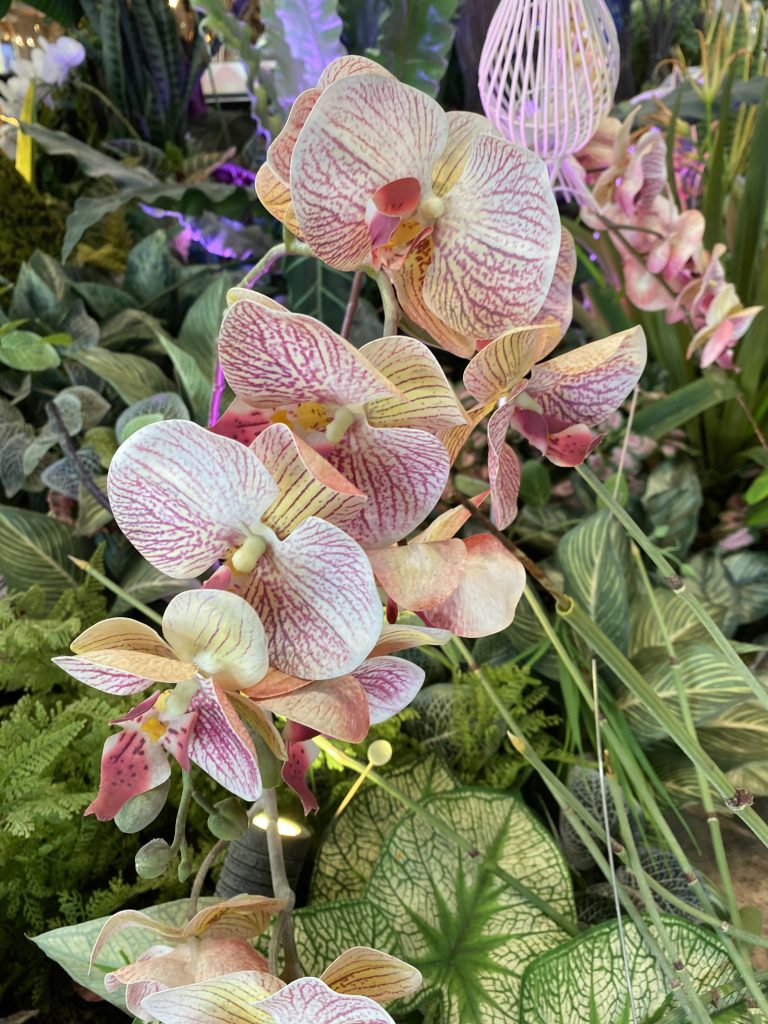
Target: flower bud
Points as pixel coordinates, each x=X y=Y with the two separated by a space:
x=153 y=858
x=230 y=820
x=141 y=810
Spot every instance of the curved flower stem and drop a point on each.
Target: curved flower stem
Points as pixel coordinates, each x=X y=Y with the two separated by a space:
x=282 y=933
x=352 y=303
x=202 y=874
x=390 y=303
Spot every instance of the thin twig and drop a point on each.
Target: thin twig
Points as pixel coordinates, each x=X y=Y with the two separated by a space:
x=202 y=874
x=352 y=303
x=753 y=422
x=65 y=441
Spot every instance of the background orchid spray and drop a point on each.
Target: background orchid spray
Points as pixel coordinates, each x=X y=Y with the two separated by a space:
x=295 y=506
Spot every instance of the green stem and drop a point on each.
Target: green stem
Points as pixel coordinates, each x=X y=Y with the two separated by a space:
x=117 y=590
x=390 y=303
x=282 y=933
x=265 y=264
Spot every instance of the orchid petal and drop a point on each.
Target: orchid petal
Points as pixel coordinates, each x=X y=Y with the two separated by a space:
x=350 y=64
x=275 y=196
x=496 y=245
x=316 y=596
x=308 y=484
x=101 y=677
x=240 y=917
x=558 y=305
x=281 y=149
x=294 y=773
x=499 y=367
x=390 y=684
x=220 y=633
x=503 y=468
x=486 y=598
x=275 y=684
x=183 y=496
x=590 y=382
x=448 y=524
x=176 y=738
x=363 y=971
x=571 y=446
x=130 y=764
x=420 y=576
x=310 y=1001
x=136 y=993
x=364 y=132
x=241 y=422
x=455 y=438
x=132 y=919
x=463 y=129
x=221 y=745
x=229 y=999
x=273 y=358
x=334 y=707
x=402 y=635
x=533 y=426
x=425 y=399
x=121 y=633
x=164 y=964
x=259 y=722
x=403 y=472
x=160 y=669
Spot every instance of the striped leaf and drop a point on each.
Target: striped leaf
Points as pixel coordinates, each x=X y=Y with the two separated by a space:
x=677 y=619
x=34 y=550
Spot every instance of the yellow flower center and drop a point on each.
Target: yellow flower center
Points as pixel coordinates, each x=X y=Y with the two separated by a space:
x=153 y=727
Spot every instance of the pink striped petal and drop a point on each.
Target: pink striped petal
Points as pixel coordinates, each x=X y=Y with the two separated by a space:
x=220 y=633
x=221 y=745
x=498 y=368
x=183 y=496
x=275 y=196
x=390 y=684
x=402 y=635
x=241 y=422
x=294 y=773
x=449 y=523
x=364 y=132
x=403 y=473
x=533 y=426
x=239 y=917
x=463 y=129
x=228 y=999
x=281 y=149
x=425 y=399
x=130 y=764
x=362 y=971
x=486 y=598
x=503 y=468
x=496 y=245
x=310 y=1001
x=316 y=596
x=558 y=305
x=101 y=677
x=589 y=383
x=176 y=738
x=420 y=576
x=308 y=484
x=350 y=64
x=273 y=358
x=333 y=707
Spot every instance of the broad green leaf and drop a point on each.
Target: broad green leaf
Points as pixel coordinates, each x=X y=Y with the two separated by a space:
x=738 y=734
x=132 y=377
x=92 y=162
x=167 y=405
x=584 y=979
x=734 y=588
x=25 y=350
x=524 y=635
x=327 y=929
x=71 y=947
x=149 y=268
x=677 y=619
x=317 y=290
x=684 y=404
x=103 y=299
x=594 y=557
x=147 y=584
x=199 y=332
x=758 y=489
x=415 y=41
x=33 y=298
x=535 y=483
x=34 y=550
x=672 y=501
x=196 y=386
x=354 y=840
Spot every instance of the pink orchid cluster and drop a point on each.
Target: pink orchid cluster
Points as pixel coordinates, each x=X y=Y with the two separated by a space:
x=664 y=263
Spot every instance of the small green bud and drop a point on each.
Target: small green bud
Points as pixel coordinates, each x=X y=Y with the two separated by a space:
x=230 y=820
x=153 y=859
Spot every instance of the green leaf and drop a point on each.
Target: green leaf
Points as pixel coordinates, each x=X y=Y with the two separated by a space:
x=535 y=483
x=147 y=584
x=132 y=377
x=34 y=550
x=738 y=734
x=415 y=41
x=33 y=298
x=196 y=386
x=678 y=621
x=758 y=489
x=584 y=979
x=327 y=929
x=686 y=403
x=470 y=934
x=317 y=290
x=165 y=406
x=734 y=588
x=672 y=501
x=103 y=300
x=752 y=206
x=92 y=162
x=149 y=268
x=594 y=557
x=25 y=350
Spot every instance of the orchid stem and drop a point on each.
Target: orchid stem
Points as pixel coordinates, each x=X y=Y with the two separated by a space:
x=117 y=590
x=202 y=874
x=282 y=933
x=352 y=303
x=390 y=303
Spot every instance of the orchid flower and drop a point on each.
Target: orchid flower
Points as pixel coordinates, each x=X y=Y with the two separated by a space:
x=470 y=586
x=343 y=708
x=214 y=642
x=372 y=413
x=375 y=167
x=186 y=497
x=349 y=991
x=212 y=943
x=555 y=407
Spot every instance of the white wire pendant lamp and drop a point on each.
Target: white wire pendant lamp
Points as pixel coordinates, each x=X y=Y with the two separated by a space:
x=548 y=74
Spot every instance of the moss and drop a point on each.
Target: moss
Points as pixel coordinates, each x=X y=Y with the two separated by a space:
x=26 y=223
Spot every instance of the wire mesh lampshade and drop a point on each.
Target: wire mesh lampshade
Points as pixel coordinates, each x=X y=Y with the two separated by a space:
x=548 y=74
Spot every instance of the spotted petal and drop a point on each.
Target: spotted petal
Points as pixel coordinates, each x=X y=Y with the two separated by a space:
x=183 y=496
x=589 y=383
x=363 y=971
x=419 y=576
x=229 y=999
x=220 y=633
x=221 y=745
x=496 y=245
x=273 y=358
x=390 y=684
x=130 y=764
x=503 y=468
x=333 y=707
x=241 y=422
x=403 y=473
x=308 y=484
x=425 y=399
x=364 y=132
x=498 y=368
x=316 y=596
x=486 y=598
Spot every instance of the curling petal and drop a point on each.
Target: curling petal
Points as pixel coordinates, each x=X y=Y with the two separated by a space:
x=503 y=468
x=420 y=576
x=400 y=636
x=390 y=684
x=221 y=745
x=498 y=368
x=228 y=999
x=102 y=677
x=363 y=971
x=333 y=707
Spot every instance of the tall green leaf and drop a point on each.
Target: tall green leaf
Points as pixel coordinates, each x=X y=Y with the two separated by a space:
x=35 y=549
x=415 y=41
x=132 y=377
x=92 y=162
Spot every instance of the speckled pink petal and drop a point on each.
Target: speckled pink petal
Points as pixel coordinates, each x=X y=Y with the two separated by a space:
x=310 y=1001
x=498 y=369
x=571 y=446
x=100 y=677
x=221 y=745
x=486 y=598
x=589 y=383
x=294 y=773
x=316 y=596
x=402 y=472
x=241 y=422
x=333 y=707
x=365 y=131
x=281 y=149
x=308 y=484
x=503 y=468
x=351 y=64
x=390 y=684
x=183 y=496
x=425 y=399
x=130 y=764
x=418 y=576
x=496 y=245
x=273 y=358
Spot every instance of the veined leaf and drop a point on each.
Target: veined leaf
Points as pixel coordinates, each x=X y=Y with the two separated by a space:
x=683 y=405
x=738 y=735
x=678 y=621
x=132 y=377
x=92 y=162
x=415 y=41
x=672 y=501
x=326 y=930
x=317 y=290
x=734 y=588
x=34 y=549
x=583 y=979
x=145 y=583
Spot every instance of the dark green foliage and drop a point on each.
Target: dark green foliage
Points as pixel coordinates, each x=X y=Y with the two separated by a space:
x=27 y=222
